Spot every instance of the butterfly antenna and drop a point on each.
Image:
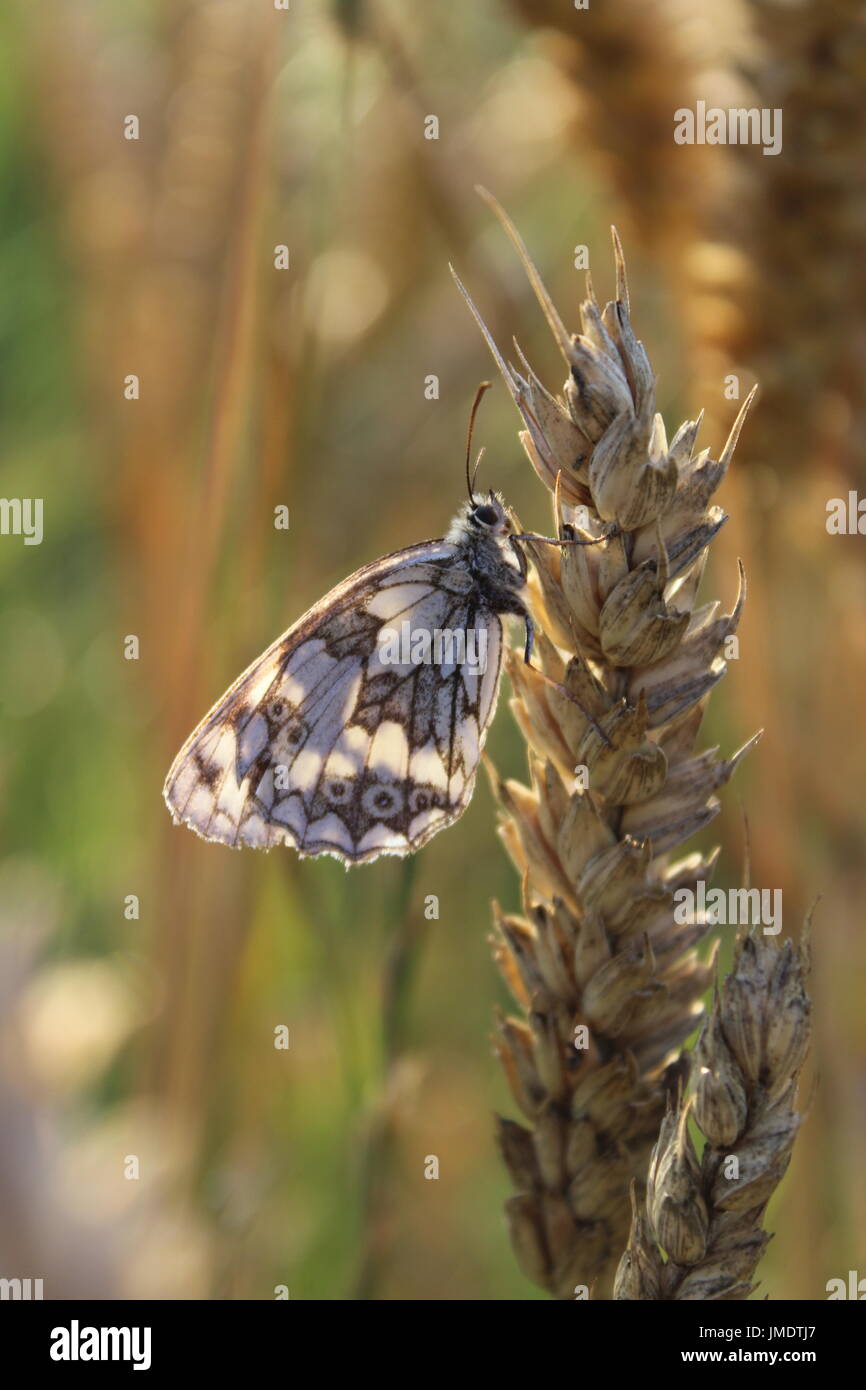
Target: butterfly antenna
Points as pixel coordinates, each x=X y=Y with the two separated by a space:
x=484 y=386
x=475 y=472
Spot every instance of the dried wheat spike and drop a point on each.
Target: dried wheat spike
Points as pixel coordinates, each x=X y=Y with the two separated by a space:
x=610 y=709
x=705 y=1214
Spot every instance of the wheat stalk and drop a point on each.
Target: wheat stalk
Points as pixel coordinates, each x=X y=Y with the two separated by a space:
x=608 y=982
x=705 y=1214
x=788 y=290
x=631 y=65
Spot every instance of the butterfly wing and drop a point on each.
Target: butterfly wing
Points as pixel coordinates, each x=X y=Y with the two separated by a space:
x=327 y=745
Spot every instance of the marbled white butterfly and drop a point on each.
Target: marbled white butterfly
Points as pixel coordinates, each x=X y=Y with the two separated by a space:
x=355 y=734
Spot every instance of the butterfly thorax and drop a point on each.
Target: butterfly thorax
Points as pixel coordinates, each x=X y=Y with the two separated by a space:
x=481 y=531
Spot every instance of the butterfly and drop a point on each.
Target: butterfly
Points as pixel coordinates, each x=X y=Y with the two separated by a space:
x=359 y=731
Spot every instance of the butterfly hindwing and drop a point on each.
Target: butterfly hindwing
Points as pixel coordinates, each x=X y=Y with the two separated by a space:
x=330 y=744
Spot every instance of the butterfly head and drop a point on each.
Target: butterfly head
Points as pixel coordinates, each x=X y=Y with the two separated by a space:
x=488 y=516
x=483 y=525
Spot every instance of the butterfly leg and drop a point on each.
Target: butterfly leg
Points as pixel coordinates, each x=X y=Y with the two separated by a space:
x=527 y=655
x=523 y=563
x=530 y=639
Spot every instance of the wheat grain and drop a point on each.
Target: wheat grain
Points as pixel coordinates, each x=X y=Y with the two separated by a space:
x=608 y=982
x=705 y=1214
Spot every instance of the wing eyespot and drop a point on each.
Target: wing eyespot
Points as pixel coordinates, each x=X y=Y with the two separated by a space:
x=382 y=802
x=338 y=792
x=278 y=710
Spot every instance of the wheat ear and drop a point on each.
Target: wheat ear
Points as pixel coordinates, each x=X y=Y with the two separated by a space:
x=705 y=1214
x=608 y=982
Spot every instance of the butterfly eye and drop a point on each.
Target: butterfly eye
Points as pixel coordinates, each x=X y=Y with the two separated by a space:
x=486 y=515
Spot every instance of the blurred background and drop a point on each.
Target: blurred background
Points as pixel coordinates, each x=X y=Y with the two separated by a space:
x=153 y=1139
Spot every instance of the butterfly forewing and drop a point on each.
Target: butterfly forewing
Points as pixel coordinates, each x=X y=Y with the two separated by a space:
x=337 y=744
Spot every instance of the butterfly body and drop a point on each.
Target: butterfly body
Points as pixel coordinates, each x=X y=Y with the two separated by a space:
x=359 y=731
